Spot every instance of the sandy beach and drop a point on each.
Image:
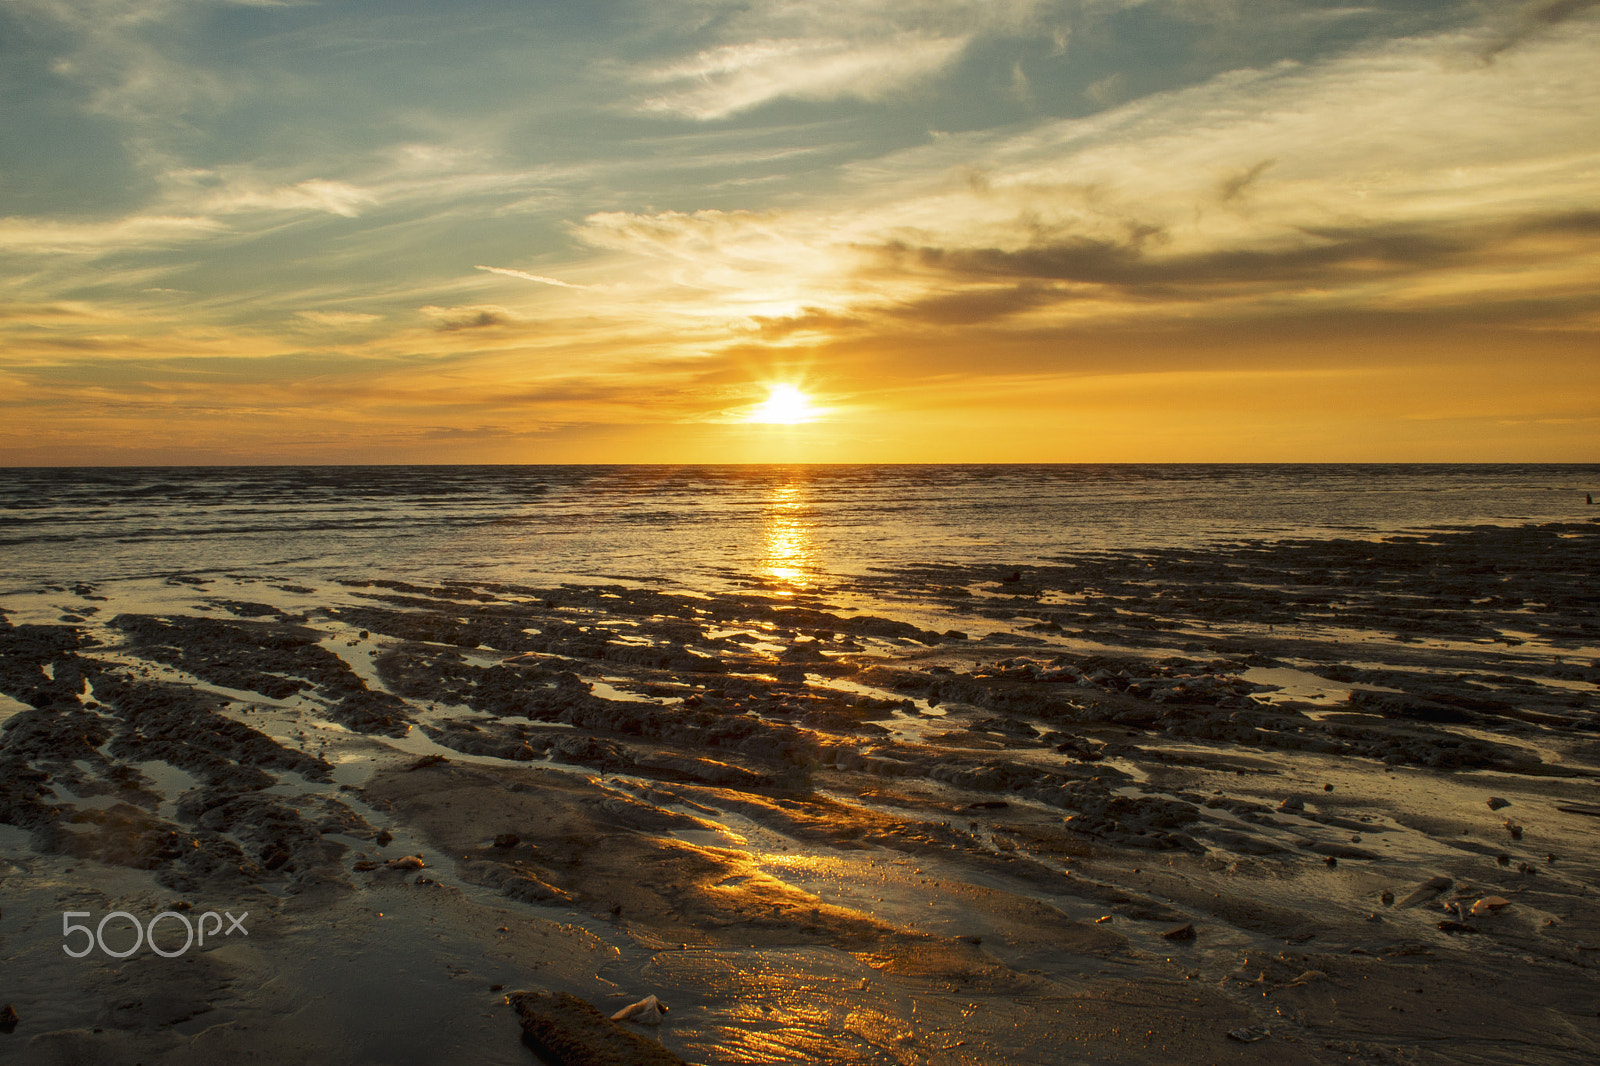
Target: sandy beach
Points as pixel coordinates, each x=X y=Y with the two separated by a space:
x=1293 y=801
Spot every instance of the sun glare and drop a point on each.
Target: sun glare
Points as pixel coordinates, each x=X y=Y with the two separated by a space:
x=784 y=404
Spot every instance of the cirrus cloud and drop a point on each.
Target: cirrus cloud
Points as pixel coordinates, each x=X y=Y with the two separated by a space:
x=735 y=78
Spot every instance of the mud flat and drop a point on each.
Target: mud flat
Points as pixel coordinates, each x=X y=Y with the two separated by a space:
x=1273 y=801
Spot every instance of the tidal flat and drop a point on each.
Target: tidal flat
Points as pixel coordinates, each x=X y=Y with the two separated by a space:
x=1286 y=801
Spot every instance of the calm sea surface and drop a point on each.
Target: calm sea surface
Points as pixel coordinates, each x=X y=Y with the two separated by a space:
x=711 y=523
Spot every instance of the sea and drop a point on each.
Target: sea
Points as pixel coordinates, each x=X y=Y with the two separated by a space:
x=712 y=525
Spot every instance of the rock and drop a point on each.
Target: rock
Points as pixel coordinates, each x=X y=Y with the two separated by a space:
x=1249 y=1034
x=1341 y=851
x=507 y=840
x=1182 y=932
x=703 y=771
x=1386 y=898
x=1489 y=905
x=514 y=882
x=1495 y=803
x=406 y=862
x=1292 y=805
x=565 y=1031
x=8 y=1019
x=383 y=838
x=1514 y=829
x=1426 y=891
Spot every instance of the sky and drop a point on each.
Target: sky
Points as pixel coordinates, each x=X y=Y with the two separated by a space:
x=513 y=231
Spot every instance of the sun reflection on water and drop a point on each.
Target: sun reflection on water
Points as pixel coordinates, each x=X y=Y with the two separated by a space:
x=790 y=556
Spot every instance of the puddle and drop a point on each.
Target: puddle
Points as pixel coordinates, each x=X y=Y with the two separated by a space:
x=9 y=707
x=605 y=690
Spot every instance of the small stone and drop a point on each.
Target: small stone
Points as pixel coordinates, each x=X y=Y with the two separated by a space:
x=1386 y=898
x=8 y=1019
x=1495 y=803
x=507 y=840
x=1514 y=829
x=383 y=838
x=1327 y=788
x=1182 y=932
x=1489 y=905
x=1330 y=862
x=1503 y=859
x=1426 y=891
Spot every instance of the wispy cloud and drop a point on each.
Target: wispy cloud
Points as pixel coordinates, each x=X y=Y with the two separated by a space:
x=314 y=194
x=865 y=50
x=339 y=319
x=525 y=276
x=734 y=78
x=30 y=236
x=1386 y=177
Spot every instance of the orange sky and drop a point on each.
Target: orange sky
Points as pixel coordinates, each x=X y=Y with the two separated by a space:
x=237 y=232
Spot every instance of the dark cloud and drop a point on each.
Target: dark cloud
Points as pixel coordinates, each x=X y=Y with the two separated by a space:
x=473 y=320
x=1323 y=256
x=976 y=306
x=566 y=392
x=1530 y=19
x=1234 y=187
x=452 y=433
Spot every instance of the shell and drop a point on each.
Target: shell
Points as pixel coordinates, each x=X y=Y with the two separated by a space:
x=648 y=1011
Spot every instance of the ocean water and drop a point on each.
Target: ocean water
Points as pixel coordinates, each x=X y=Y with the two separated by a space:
x=700 y=524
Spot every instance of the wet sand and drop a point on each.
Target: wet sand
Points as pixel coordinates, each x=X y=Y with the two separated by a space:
x=1109 y=809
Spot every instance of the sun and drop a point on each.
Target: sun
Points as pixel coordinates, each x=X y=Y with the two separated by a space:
x=784 y=404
